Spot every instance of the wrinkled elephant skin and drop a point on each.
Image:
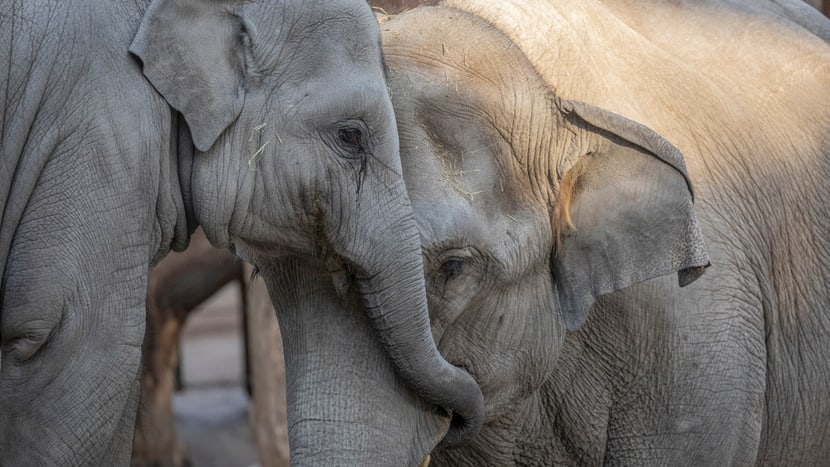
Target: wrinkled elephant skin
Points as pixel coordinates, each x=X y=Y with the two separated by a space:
x=125 y=125
x=565 y=236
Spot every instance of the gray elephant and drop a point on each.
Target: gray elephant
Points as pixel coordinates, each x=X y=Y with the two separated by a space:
x=559 y=228
x=124 y=126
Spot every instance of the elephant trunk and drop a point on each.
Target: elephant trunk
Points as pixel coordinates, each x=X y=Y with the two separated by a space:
x=388 y=269
x=346 y=404
x=365 y=382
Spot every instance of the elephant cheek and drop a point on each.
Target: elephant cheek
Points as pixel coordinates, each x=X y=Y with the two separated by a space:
x=346 y=404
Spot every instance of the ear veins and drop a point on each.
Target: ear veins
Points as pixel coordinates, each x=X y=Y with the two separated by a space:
x=567 y=187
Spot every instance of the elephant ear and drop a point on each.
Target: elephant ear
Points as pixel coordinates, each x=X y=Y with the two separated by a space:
x=624 y=215
x=190 y=50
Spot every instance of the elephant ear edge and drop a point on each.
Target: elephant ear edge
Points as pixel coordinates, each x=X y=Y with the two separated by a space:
x=189 y=51
x=634 y=220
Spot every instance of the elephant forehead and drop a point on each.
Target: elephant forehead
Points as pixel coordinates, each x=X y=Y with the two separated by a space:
x=453 y=154
x=462 y=147
x=442 y=216
x=459 y=171
x=358 y=94
x=342 y=27
x=455 y=200
x=470 y=122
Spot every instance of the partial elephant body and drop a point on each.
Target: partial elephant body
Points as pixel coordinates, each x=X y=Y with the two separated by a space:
x=124 y=126
x=85 y=141
x=502 y=170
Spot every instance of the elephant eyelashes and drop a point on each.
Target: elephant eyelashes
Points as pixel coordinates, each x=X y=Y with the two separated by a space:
x=452 y=268
x=351 y=139
x=352 y=144
x=350 y=136
x=449 y=270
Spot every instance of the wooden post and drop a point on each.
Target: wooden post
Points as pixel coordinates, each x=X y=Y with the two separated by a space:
x=177 y=285
x=267 y=414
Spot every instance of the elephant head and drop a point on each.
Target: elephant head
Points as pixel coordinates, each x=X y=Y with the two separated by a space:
x=296 y=160
x=530 y=206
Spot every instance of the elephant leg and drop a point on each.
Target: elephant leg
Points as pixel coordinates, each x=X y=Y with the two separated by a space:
x=709 y=391
x=177 y=285
x=72 y=316
x=71 y=328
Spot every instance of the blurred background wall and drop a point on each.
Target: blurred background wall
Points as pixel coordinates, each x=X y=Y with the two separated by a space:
x=821 y=5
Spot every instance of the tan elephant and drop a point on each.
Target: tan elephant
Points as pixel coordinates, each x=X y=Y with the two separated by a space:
x=540 y=143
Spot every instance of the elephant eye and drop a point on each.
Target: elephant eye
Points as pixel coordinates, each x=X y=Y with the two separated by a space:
x=451 y=268
x=351 y=137
x=352 y=142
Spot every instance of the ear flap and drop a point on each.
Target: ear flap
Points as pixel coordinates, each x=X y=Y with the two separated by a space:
x=625 y=213
x=191 y=54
